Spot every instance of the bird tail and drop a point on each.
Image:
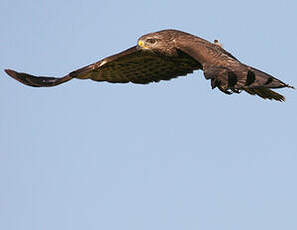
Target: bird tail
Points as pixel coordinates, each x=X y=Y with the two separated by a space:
x=35 y=81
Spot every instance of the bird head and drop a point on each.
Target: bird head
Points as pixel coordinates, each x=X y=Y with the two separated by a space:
x=149 y=42
x=158 y=42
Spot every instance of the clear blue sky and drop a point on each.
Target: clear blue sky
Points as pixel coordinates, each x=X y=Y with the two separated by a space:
x=173 y=155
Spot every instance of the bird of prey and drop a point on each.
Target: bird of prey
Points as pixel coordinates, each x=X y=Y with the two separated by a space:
x=167 y=54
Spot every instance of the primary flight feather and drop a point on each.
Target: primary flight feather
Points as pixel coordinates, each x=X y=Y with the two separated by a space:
x=165 y=55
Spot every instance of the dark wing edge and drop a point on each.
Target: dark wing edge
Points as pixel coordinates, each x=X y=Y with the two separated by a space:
x=43 y=81
x=266 y=93
x=35 y=81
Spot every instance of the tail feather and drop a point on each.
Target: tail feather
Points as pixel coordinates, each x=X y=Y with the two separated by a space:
x=35 y=81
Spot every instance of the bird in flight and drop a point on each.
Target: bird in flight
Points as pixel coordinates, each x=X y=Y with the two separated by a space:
x=168 y=54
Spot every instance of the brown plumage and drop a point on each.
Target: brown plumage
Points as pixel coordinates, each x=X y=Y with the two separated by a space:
x=165 y=55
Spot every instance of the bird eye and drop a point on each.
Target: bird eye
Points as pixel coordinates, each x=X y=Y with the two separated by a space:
x=151 y=40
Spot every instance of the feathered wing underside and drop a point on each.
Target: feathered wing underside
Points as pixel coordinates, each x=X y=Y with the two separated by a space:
x=131 y=65
x=230 y=75
x=138 y=66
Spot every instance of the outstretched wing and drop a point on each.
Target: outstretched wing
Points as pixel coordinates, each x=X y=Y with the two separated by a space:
x=237 y=77
x=131 y=65
x=229 y=74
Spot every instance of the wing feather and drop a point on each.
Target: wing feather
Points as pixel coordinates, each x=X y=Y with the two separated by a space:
x=131 y=65
x=228 y=73
x=138 y=66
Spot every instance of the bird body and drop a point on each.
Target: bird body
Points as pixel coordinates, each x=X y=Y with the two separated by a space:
x=165 y=55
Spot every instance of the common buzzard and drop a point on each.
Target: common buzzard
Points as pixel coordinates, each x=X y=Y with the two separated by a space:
x=168 y=54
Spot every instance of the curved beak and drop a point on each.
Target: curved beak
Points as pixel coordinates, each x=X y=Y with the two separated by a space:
x=140 y=43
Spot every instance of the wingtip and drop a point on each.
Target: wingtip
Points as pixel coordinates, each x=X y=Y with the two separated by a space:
x=290 y=86
x=11 y=72
x=18 y=76
x=281 y=99
x=14 y=74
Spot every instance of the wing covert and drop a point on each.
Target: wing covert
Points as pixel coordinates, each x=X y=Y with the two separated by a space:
x=138 y=66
